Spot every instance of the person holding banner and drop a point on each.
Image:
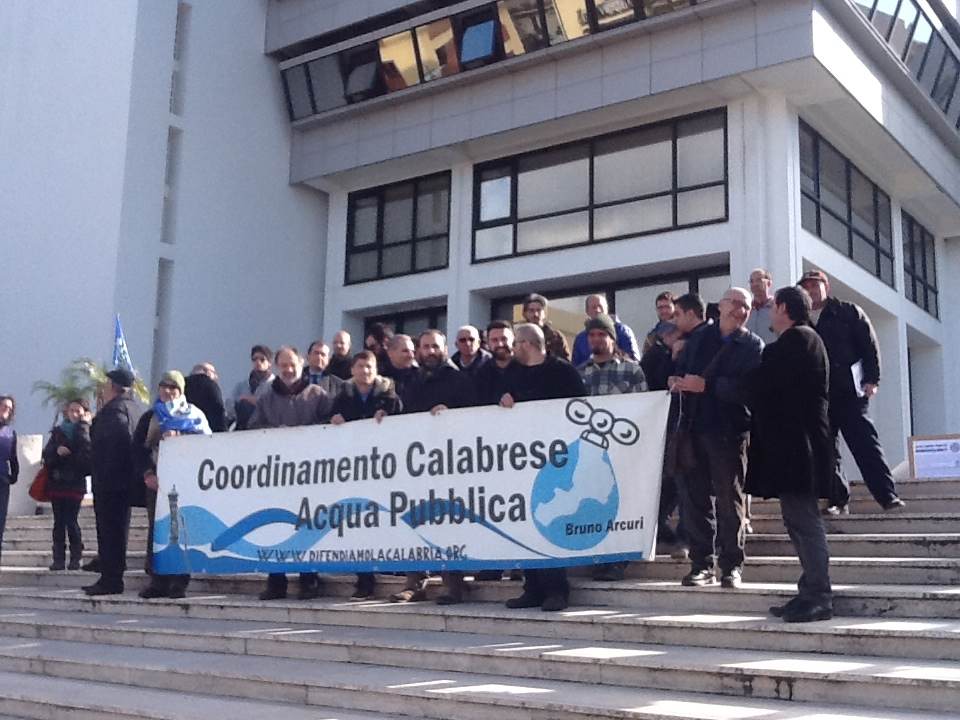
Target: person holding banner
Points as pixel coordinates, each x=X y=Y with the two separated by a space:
x=366 y=396
x=609 y=372
x=290 y=401
x=439 y=385
x=791 y=448
x=170 y=416
x=494 y=378
x=543 y=377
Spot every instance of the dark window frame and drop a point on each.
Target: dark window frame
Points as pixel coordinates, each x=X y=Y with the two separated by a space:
x=513 y=163
x=378 y=245
x=917 y=274
x=877 y=243
x=639 y=14
x=395 y=320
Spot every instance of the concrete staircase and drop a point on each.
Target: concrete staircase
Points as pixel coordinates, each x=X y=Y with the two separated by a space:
x=641 y=648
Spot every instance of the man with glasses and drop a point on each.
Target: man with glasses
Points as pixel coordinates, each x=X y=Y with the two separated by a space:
x=470 y=357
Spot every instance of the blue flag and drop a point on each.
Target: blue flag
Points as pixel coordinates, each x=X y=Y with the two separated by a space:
x=121 y=355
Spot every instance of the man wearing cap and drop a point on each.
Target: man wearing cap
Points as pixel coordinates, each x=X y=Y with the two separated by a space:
x=854 y=355
x=607 y=372
x=535 y=312
x=171 y=415
x=113 y=475
x=625 y=340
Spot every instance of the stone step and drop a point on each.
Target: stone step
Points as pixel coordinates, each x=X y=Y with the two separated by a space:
x=900 y=601
x=222 y=624
x=845 y=570
x=937 y=504
x=892 y=570
x=891 y=522
x=915 y=545
x=45 y=534
x=577 y=682
x=49 y=698
x=947 y=487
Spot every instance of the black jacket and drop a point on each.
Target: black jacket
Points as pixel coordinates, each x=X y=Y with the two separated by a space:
x=339 y=366
x=204 y=393
x=111 y=453
x=791 y=450
x=351 y=406
x=483 y=357
x=721 y=408
x=657 y=364
x=552 y=379
x=403 y=380
x=491 y=381
x=444 y=385
x=68 y=474
x=849 y=338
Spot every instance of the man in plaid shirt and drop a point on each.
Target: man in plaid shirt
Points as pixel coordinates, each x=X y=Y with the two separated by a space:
x=608 y=372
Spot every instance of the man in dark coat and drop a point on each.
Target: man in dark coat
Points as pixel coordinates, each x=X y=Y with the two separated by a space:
x=111 y=454
x=203 y=391
x=403 y=369
x=543 y=377
x=853 y=350
x=791 y=451
x=365 y=396
x=469 y=357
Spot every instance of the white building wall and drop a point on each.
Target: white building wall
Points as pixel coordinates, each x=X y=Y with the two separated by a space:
x=291 y=21
x=65 y=83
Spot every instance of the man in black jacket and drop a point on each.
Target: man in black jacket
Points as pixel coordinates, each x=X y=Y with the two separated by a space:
x=854 y=378
x=719 y=431
x=543 y=377
x=403 y=369
x=495 y=377
x=438 y=385
x=791 y=451
x=111 y=453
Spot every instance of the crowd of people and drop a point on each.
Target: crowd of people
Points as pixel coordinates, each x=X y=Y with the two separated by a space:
x=761 y=385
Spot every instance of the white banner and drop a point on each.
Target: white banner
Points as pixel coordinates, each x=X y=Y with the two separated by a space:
x=543 y=484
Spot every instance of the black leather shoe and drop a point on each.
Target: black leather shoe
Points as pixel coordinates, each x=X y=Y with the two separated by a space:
x=101 y=589
x=272 y=593
x=524 y=601
x=807 y=612
x=779 y=610
x=177 y=593
x=92 y=566
x=554 y=603
x=152 y=591
x=699 y=578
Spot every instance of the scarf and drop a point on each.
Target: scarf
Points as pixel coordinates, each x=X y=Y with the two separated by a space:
x=257 y=377
x=282 y=389
x=181 y=416
x=69 y=429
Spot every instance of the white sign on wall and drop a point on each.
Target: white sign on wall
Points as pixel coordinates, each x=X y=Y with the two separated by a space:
x=543 y=484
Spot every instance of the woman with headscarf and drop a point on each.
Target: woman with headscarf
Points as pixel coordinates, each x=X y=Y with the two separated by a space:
x=67 y=459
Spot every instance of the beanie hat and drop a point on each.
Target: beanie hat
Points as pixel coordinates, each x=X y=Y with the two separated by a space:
x=173 y=377
x=602 y=322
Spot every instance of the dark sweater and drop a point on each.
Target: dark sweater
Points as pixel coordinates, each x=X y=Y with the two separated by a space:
x=553 y=378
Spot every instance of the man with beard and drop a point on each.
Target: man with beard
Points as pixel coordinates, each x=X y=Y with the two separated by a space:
x=340 y=361
x=439 y=385
x=543 y=377
x=535 y=312
x=608 y=372
x=495 y=377
x=246 y=393
x=290 y=401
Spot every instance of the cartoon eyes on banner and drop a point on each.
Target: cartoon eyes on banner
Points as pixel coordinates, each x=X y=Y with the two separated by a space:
x=601 y=424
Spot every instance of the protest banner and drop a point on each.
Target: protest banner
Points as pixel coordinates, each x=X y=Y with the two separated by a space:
x=543 y=484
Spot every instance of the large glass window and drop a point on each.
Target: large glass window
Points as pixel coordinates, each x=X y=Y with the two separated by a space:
x=668 y=175
x=844 y=207
x=920 y=265
x=488 y=33
x=411 y=322
x=398 y=229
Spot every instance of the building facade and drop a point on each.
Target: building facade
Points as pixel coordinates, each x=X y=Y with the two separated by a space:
x=275 y=171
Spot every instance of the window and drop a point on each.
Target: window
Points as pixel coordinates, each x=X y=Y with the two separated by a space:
x=844 y=207
x=919 y=265
x=659 y=177
x=411 y=322
x=485 y=34
x=398 y=229
x=903 y=26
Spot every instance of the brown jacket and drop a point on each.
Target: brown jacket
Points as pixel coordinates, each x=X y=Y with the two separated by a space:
x=299 y=404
